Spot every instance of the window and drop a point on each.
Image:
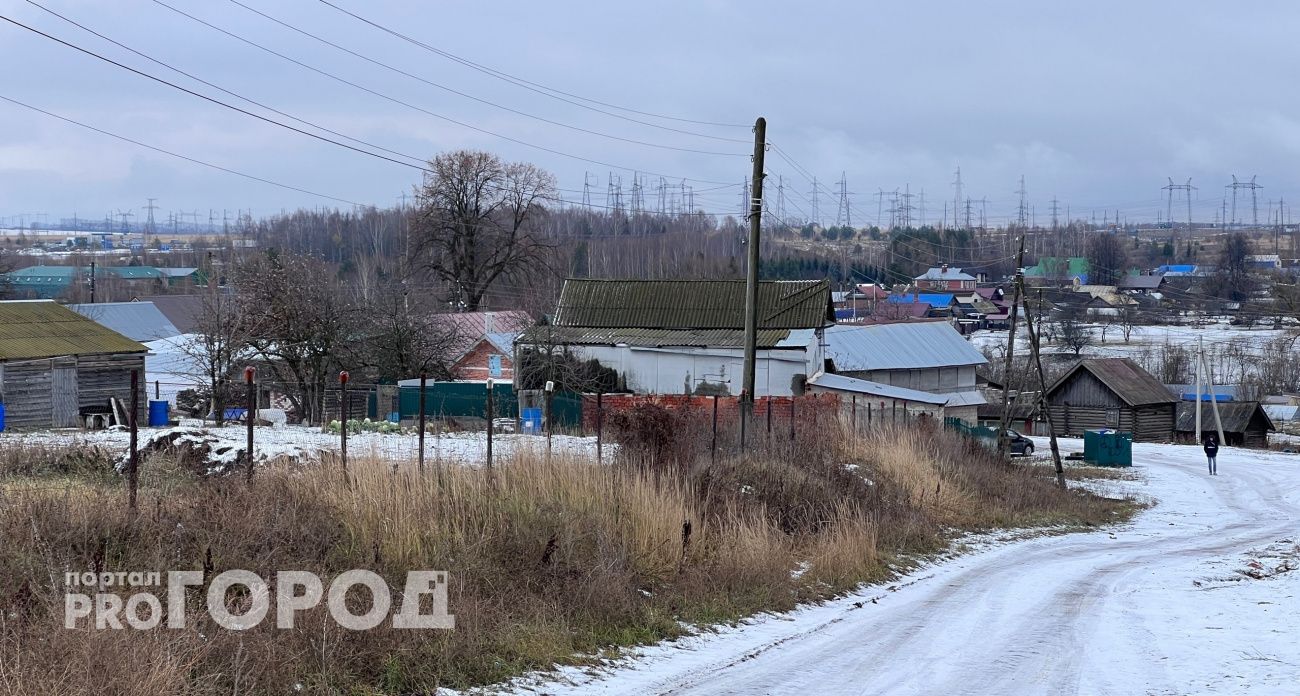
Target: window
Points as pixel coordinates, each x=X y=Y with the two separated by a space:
x=1112 y=418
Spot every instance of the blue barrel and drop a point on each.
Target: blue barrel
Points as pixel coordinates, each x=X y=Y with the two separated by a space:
x=532 y=420
x=157 y=414
x=2 y=418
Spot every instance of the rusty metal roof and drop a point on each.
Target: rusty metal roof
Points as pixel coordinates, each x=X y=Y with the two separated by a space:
x=1134 y=385
x=44 y=329
x=692 y=304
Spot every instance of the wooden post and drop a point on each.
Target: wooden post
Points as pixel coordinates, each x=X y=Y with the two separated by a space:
x=769 y=417
x=854 y=412
x=133 y=458
x=1004 y=445
x=157 y=390
x=1042 y=392
x=424 y=378
x=251 y=388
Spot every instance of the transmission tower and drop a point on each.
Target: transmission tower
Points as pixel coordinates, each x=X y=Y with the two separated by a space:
x=586 y=189
x=638 y=201
x=816 y=203
x=149 y=223
x=614 y=195
x=956 y=197
x=905 y=210
x=1022 y=213
x=780 y=199
x=1187 y=189
x=842 y=216
x=1254 y=200
x=126 y=224
x=744 y=200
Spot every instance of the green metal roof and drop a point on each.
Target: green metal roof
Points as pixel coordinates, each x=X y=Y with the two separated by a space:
x=692 y=304
x=43 y=329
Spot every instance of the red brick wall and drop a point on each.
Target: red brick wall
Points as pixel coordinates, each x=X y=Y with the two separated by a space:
x=728 y=406
x=474 y=364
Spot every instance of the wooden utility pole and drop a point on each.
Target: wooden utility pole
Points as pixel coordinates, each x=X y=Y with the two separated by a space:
x=1042 y=386
x=751 y=279
x=1004 y=445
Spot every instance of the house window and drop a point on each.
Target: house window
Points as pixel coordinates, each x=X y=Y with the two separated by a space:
x=494 y=366
x=1112 y=418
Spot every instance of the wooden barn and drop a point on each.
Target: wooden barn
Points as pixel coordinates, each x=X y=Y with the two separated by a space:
x=1112 y=393
x=56 y=365
x=1245 y=424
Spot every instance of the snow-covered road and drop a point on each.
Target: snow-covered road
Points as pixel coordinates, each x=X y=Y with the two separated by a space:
x=1158 y=606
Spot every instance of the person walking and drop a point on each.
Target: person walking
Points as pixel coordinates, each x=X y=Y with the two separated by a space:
x=1211 y=454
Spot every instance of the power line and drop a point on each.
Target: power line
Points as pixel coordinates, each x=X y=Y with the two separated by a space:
x=543 y=89
x=457 y=92
x=177 y=155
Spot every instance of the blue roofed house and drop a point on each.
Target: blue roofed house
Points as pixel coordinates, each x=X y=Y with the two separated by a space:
x=923 y=357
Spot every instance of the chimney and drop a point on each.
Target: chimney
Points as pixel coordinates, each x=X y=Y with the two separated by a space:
x=487 y=323
x=943 y=269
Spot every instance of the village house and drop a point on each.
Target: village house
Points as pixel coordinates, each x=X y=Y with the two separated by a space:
x=687 y=336
x=56 y=365
x=1116 y=393
x=926 y=357
x=945 y=278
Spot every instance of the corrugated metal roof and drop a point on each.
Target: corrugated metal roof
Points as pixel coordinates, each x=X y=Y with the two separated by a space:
x=649 y=338
x=43 y=329
x=692 y=304
x=970 y=398
x=138 y=321
x=934 y=299
x=1124 y=377
x=862 y=386
x=938 y=273
x=1278 y=412
x=902 y=346
x=1235 y=415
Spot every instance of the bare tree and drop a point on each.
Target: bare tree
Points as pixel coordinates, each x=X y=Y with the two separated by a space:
x=1231 y=280
x=406 y=336
x=1071 y=330
x=1107 y=259
x=473 y=221
x=219 y=346
x=302 y=323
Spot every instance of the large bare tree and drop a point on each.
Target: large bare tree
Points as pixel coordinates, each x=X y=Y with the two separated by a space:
x=473 y=222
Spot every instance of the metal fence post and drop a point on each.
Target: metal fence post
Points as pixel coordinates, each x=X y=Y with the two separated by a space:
x=133 y=459
x=713 y=446
x=768 y=406
x=249 y=373
x=424 y=377
x=600 y=420
x=855 y=413
x=343 y=413
x=791 y=419
x=550 y=427
x=157 y=390
x=490 y=413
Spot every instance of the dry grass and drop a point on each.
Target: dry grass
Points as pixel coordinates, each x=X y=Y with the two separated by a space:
x=548 y=559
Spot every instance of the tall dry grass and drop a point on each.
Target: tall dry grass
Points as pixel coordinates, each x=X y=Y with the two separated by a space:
x=549 y=558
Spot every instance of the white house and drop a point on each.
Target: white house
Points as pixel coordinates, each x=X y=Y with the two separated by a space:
x=687 y=336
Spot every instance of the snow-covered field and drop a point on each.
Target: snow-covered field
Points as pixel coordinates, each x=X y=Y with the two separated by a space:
x=1216 y=335
x=1199 y=594
x=298 y=441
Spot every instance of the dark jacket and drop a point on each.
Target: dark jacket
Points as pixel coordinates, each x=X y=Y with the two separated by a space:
x=1211 y=448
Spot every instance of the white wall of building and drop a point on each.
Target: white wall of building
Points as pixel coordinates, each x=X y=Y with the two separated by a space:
x=681 y=370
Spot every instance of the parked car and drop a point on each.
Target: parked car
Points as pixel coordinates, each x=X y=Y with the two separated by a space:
x=1020 y=444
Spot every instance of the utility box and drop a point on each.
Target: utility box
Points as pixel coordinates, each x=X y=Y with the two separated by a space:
x=1108 y=448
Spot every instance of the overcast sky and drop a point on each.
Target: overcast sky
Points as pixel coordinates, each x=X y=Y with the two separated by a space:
x=1094 y=103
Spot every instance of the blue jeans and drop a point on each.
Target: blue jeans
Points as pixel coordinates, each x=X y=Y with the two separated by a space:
x=1213 y=464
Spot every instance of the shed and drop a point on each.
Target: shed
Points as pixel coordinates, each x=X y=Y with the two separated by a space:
x=55 y=364
x=1245 y=423
x=869 y=402
x=1112 y=393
